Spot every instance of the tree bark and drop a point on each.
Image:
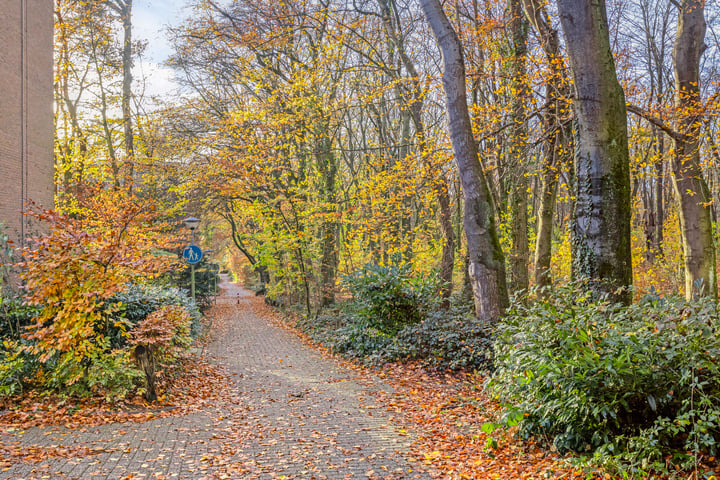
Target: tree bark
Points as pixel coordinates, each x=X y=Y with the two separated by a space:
x=555 y=144
x=658 y=206
x=146 y=360
x=415 y=105
x=486 y=261
x=327 y=166
x=690 y=186
x=520 y=255
x=601 y=220
x=127 y=65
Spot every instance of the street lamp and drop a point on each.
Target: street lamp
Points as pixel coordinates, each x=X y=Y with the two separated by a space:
x=192 y=254
x=192 y=223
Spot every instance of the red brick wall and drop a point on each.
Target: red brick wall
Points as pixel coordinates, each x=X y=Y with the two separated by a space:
x=31 y=133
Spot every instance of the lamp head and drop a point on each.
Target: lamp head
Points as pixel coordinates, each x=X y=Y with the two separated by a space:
x=192 y=223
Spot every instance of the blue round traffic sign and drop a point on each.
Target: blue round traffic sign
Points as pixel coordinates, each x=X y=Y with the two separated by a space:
x=192 y=254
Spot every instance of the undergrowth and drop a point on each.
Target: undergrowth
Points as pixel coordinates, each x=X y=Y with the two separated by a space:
x=110 y=371
x=637 y=388
x=395 y=315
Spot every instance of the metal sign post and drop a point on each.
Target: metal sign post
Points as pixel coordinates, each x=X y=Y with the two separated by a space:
x=192 y=255
x=214 y=268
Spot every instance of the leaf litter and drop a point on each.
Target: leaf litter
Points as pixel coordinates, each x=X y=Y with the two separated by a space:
x=440 y=413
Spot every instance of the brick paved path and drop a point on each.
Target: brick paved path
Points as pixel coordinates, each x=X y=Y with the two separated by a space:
x=292 y=414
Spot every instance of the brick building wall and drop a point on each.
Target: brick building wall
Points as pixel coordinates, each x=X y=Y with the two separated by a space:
x=26 y=111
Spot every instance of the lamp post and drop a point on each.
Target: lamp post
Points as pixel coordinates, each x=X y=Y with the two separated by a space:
x=192 y=254
x=213 y=268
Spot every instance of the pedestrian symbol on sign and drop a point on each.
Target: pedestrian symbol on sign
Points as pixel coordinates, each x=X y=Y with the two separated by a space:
x=192 y=254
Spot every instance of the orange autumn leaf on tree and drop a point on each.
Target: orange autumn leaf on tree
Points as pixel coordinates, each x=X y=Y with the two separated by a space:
x=165 y=332
x=75 y=268
x=160 y=337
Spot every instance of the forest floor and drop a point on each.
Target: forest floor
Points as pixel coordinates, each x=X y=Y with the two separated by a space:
x=259 y=400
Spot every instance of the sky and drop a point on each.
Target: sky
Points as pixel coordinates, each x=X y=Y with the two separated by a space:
x=150 y=21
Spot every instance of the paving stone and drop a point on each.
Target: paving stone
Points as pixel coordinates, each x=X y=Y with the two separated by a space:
x=294 y=414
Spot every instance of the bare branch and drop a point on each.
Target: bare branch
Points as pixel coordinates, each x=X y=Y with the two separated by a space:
x=658 y=122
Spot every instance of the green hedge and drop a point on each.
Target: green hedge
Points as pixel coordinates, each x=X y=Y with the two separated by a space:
x=634 y=383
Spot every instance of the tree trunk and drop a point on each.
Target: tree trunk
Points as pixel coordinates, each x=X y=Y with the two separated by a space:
x=690 y=186
x=601 y=220
x=125 y=10
x=520 y=255
x=486 y=262
x=447 y=260
x=415 y=101
x=555 y=155
x=555 y=144
x=327 y=165
x=658 y=206
x=146 y=360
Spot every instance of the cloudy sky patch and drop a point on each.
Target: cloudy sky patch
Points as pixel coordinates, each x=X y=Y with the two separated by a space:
x=150 y=21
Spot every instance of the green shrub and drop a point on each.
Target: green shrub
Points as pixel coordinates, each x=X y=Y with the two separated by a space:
x=394 y=316
x=139 y=301
x=446 y=340
x=110 y=374
x=16 y=366
x=113 y=375
x=15 y=316
x=360 y=341
x=634 y=382
x=388 y=298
